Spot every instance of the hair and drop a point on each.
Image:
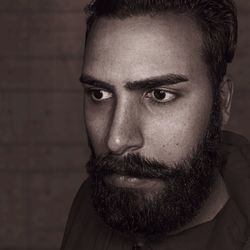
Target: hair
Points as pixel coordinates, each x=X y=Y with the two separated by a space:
x=216 y=18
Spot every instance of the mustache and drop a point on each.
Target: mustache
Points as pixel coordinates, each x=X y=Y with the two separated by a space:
x=135 y=165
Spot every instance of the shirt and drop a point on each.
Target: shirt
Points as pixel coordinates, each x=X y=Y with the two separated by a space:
x=229 y=230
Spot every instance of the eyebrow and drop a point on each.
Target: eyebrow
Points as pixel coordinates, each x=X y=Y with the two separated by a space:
x=148 y=83
x=152 y=82
x=89 y=80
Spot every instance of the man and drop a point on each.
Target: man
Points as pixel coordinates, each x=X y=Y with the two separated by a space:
x=162 y=174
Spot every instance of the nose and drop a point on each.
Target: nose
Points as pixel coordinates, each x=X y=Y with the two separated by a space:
x=125 y=134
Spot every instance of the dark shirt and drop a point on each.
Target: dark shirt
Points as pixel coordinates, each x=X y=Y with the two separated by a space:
x=229 y=230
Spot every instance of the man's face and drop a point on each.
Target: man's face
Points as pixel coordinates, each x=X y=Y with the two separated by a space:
x=147 y=96
x=164 y=121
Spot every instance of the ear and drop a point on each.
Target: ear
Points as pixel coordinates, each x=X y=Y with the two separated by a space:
x=226 y=93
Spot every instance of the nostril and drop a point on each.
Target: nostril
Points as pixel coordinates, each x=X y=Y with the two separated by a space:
x=122 y=144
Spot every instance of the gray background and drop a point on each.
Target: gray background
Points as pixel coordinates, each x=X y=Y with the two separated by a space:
x=42 y=141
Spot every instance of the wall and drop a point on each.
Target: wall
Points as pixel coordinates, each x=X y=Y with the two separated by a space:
x=42 y=141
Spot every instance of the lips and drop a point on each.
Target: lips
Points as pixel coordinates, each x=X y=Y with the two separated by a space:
x=124 y=181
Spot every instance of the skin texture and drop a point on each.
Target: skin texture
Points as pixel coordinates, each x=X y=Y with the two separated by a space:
x=120 y=51
x=121 y=119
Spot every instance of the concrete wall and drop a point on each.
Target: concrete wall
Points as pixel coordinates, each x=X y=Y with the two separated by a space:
x=42 y=141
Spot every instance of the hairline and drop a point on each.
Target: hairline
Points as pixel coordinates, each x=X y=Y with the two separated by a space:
x=187 y=13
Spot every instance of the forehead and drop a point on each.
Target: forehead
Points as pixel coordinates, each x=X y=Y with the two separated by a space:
x=140 y=47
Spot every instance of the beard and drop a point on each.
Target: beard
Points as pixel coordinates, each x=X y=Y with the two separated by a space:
x=187 y=185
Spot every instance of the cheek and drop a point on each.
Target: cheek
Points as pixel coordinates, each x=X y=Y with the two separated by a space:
x=172 y=136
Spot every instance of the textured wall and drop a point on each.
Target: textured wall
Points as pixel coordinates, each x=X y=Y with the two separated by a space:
x=42 y=142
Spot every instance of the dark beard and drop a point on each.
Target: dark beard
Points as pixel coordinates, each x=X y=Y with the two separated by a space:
x=187 y=186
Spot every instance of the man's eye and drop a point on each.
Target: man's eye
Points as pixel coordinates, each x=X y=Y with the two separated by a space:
x=160 y=95
x=99 y=94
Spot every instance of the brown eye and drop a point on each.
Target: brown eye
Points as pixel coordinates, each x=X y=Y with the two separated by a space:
x=100 y=94
x=160 y=95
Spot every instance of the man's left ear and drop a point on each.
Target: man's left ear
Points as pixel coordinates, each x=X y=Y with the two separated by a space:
x=226 y=93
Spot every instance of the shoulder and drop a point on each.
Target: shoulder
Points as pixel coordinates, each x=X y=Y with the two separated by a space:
x=237 y=170
x=81 y=207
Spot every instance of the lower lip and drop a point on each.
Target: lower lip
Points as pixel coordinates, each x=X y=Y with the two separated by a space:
x=132 y=182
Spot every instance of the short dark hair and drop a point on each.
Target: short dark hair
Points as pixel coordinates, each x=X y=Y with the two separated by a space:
x=217 y=20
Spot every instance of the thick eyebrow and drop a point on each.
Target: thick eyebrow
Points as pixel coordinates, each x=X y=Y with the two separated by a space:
x=89 y=80
x=148 y=83
x=169 y=79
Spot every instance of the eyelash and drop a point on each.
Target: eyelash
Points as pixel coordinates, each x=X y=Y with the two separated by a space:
x=89 y=92
x=175 y=96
